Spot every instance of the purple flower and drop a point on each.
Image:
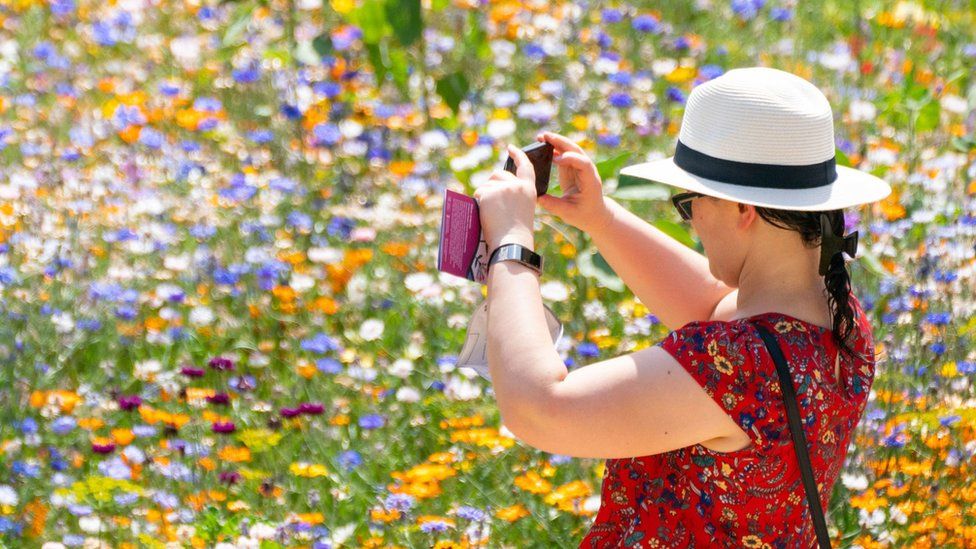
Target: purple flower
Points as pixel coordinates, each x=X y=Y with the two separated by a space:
x=229 y=477
x=311 y=408
x=107 y=448
x=223 y=427
x=290 y=412
x=130 y=402
x=219 y=398
x=220 y=363
x=190 y=371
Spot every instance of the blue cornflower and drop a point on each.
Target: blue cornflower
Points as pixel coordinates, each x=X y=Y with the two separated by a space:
x=624 y=78
x=22 y=468
x=328 y=365
x=349 y=460
x=611 y=15
x=300 y=220
x=471 y=513
x=434 y=526
x=604 y=40
x=328 y=89
x=938 y=348
x=938 y=319
x=746 y=9
x=283 y=184
x=708 y=72
x=372 y=421
x=151 y=138
x=781 y=14
x=621 y=99
x=400 y=502
x=319 y=343
x=63 y=425
x=608 y=139
x=534 y=50
x=28 y=426
x=675 y=94
x=60 y=8
x=260 y=136
x=946 y=421
x=342 y=226
x=248 y=74
x=646 y=23
x=326 y=134
x=588 y=349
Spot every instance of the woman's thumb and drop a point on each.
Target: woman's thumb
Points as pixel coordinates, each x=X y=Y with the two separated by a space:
x=551 y=203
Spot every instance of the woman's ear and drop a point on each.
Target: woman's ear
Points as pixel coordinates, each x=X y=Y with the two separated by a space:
x=747 y=216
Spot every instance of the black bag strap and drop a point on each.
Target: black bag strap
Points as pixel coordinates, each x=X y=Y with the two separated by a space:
x=799 y=441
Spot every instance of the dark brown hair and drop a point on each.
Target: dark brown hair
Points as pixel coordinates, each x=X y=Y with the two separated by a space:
x=837 y=280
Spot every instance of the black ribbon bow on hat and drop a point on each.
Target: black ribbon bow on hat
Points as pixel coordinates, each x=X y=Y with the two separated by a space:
x=831 y=244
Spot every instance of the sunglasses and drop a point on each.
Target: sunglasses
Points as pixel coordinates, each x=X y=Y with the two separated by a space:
x=682 y=203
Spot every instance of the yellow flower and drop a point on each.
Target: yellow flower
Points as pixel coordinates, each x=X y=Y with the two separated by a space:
x=723 y=365
x=309 y=470
x=532 y=482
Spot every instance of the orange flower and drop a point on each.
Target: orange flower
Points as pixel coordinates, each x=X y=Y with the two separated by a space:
x=384 y=516
x=532 y=482
x=123 y=436
x=513 y=513
x=234 y=454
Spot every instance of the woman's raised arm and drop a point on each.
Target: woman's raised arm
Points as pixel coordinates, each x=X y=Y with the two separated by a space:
x=670 y=279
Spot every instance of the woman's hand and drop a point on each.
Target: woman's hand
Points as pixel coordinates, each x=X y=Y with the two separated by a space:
x=506 y=203
x=582 y=204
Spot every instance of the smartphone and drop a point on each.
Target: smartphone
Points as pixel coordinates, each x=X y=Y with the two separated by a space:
x=540 y=154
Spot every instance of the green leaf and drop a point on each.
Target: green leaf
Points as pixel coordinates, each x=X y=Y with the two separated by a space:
x=609 y=167
x=438 y=5
x=476 y=39
x=371 y=19
x=406 y=19
x=641 y=192
x=676 y=232
x=452 y=89
x=624 y=180
x=870 y=261
x=376 y=60
x=323 y=44
x=240 y=18
x=842 y=158
x=591 y=264
x=398 y=68
x=964 y=144
x=928 y=116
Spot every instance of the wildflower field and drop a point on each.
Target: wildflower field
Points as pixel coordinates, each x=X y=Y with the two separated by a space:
x=222 y=321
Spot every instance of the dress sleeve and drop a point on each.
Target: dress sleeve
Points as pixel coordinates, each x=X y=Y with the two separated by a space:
x=722 y=357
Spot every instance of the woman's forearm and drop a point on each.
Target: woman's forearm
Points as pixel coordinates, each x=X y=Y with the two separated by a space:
x=670 y=279
x=522 y=358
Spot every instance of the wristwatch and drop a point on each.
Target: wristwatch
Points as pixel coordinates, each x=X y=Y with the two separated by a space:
x=517 y=252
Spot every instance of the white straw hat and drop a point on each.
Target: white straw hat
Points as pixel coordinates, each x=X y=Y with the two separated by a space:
x=764 y=137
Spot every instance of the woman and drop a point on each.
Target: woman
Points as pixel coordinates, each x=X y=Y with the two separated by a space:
x=694 y=429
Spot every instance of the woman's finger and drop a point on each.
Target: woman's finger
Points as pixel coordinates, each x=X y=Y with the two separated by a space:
x=560 y=143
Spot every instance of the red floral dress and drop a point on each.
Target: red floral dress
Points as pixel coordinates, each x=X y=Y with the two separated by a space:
x=753 y=497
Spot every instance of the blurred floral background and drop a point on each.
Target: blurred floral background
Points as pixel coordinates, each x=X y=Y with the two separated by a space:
x=222 y=321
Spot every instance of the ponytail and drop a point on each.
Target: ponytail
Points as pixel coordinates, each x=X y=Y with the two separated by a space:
x=837 y=280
